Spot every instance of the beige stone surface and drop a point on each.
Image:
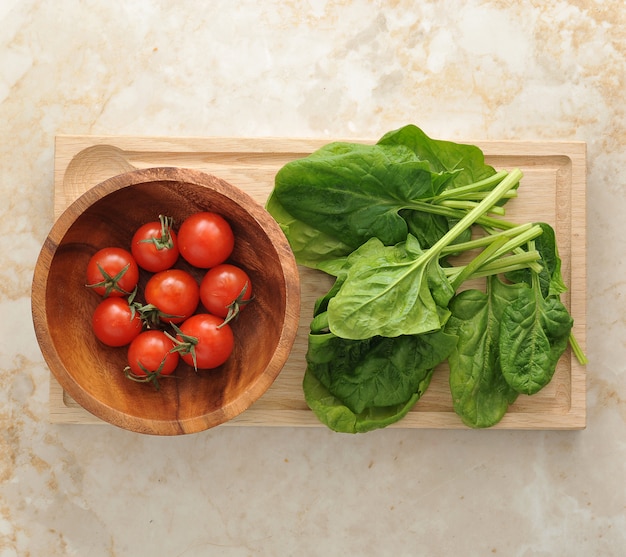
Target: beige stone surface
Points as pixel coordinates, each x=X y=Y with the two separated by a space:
x=483 y=70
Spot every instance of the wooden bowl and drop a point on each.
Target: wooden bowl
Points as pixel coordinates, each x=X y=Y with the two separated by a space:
x=92 y=373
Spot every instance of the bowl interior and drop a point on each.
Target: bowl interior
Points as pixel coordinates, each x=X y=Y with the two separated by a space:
x=93 y=373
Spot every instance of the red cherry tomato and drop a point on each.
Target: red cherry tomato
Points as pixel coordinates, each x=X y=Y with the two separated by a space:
x=115 y=323
x=213 y=341
x=155 y=246
x=225 y=290
x=112 y=272
x=150 y=353
x=205 y=239
x=175 y=293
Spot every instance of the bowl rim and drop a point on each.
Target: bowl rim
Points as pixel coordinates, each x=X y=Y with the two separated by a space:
x=151 y=425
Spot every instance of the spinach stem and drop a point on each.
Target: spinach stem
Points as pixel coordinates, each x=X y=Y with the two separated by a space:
x=477 y=212
x=467 y=221
x=519 y=240
x=502 y=264
x=465 y=205
x=478 y=195
x=319 y=323
x=499 y=266
x=486 y=240
x=481 y=185
x=578 y=351
x=535 y=266
x=468 y=270
x=458 y=214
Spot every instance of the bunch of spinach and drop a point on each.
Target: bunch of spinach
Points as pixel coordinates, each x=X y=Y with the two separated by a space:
x=384 y=220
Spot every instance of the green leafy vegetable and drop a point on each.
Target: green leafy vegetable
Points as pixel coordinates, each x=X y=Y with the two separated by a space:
x=354 y=192
x=333 y=413
x=381 y=277
x=386 y=220
x=534 y=333
x=402 y=277
x=344 y=194
x=310 y=245
x=379 y=371
x=467 y=160
x=480 y=394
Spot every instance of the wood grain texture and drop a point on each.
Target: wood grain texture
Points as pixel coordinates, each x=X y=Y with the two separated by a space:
x=553 y=190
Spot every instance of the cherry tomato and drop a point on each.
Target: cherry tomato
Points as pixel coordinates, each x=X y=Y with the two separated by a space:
x=112 y=272
x=205 y=239
x=212 y=341
x=115 y=323
x=225 y=290
x=175 y=294
x=150 y=356
x=155 y=246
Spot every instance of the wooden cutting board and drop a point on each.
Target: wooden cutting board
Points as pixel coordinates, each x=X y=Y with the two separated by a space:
x=553 y=190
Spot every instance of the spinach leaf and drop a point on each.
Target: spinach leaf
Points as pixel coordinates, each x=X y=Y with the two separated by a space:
x=333 y=413
x=310 y=245
x=480 y=394
x=389 y=291
x=353 y=192
x=537 y=328
x=333 y=200
x=468 y=160
x=534 y=333
x=379 y=371
x=359 y=385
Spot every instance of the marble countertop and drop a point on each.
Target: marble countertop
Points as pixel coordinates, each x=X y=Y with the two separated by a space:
x=549 y=70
